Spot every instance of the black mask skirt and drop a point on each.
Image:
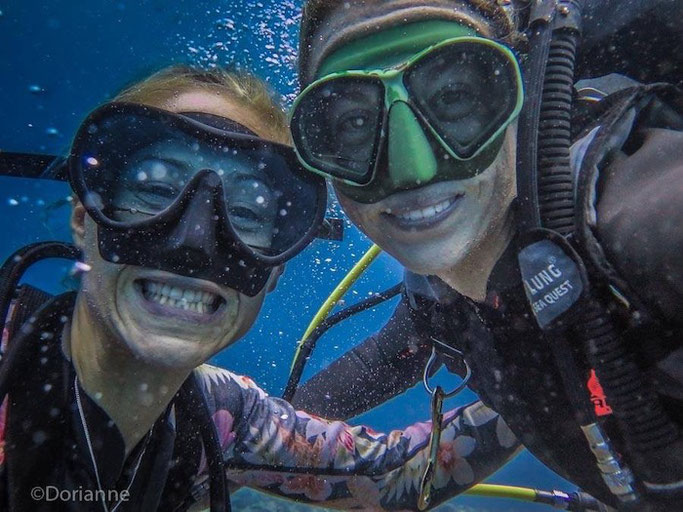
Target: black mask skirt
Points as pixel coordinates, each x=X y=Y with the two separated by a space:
x=193 y=194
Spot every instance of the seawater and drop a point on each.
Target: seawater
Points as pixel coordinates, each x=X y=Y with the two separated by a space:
x=61 y=59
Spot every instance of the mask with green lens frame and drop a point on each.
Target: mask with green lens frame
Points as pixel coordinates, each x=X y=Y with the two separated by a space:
x=439 y=116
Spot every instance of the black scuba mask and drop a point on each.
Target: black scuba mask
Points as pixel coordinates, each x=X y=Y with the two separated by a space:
x=193 y=194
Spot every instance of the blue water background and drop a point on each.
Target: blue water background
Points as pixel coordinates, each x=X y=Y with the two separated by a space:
x=60 y=59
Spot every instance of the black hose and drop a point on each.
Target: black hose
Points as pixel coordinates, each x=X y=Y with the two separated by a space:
x=309 y=343
x=555 y=180
x=16 y=265
x=193 y=403
x=644 y=422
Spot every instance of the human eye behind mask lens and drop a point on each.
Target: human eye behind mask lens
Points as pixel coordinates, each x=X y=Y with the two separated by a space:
x=149 y=184
x=339 y=121
x=352 y=124
x=252 y=207
x=452 y=96
x=455 y=101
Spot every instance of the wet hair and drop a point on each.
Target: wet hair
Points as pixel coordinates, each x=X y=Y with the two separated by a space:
x=500 y=18
x=315 y=12
x=242 y=87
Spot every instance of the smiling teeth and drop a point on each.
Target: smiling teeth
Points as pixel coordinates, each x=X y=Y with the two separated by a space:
x=426 y=213
x=181 y=298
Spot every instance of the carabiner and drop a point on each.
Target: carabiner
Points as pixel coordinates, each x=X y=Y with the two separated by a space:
x=430 y=363
x=425 y=495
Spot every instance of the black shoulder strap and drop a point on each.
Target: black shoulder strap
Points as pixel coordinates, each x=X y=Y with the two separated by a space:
x=179 y=492
x=33 y=375
x=196 y=428
x=27 y=301
x=32 y=165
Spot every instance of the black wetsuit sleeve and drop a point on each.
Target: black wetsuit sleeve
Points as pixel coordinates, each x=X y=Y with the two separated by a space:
x=383 y=366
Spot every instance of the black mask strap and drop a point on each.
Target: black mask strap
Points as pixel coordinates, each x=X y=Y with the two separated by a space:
x=222 y=123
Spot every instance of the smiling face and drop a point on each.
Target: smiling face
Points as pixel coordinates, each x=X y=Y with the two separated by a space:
x=163 y=318
x=434 y=222
x=431 y=229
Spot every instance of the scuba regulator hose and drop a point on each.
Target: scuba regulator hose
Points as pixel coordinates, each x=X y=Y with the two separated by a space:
x=321 y=323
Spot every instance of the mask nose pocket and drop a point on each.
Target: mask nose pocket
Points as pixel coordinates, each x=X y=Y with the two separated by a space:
x=411 y=158
x=195 y=233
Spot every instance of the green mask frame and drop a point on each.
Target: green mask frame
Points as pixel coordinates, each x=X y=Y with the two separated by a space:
x=417 y=153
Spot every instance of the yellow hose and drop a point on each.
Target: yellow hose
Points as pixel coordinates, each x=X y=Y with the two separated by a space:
x=337 y=294
x=503 y=491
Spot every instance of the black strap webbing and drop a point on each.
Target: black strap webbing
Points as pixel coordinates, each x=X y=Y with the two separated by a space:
x=30 y=165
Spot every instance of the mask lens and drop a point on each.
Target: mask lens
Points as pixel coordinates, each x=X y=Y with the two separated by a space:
x=130 y=166
x=135 y=166
x=466 y=91
x=336 y=126
x=276 y=205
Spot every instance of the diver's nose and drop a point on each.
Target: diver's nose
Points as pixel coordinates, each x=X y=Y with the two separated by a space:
x=195 y=233
x=411 y=158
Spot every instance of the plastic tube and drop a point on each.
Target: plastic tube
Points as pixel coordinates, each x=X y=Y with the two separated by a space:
x=338 y=293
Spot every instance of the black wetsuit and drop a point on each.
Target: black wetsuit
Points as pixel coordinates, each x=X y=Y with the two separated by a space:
x=46 y=446
x=57 y=437
x=640 y=228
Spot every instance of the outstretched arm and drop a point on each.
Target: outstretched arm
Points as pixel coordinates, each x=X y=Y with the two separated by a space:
x=269 y=445
x=381 y=367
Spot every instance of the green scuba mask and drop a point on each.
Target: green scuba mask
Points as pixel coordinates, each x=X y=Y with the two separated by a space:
x=440 y=115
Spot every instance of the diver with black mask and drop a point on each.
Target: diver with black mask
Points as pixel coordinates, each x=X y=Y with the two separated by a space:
x=189 y=201
x=536 y=210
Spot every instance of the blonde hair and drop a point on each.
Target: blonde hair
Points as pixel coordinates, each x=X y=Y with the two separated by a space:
x=245 y=88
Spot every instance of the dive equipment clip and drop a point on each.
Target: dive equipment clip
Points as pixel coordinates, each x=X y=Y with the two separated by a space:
x=437 y=397
x=425 y=496
x=430 y=364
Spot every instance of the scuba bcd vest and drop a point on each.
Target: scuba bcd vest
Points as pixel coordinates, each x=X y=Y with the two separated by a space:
x=569 y=283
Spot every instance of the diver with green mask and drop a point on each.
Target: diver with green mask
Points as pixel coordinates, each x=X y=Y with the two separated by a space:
x=535 y=207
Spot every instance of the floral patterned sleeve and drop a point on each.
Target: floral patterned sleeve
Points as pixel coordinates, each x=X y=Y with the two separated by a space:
x=259 y=432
